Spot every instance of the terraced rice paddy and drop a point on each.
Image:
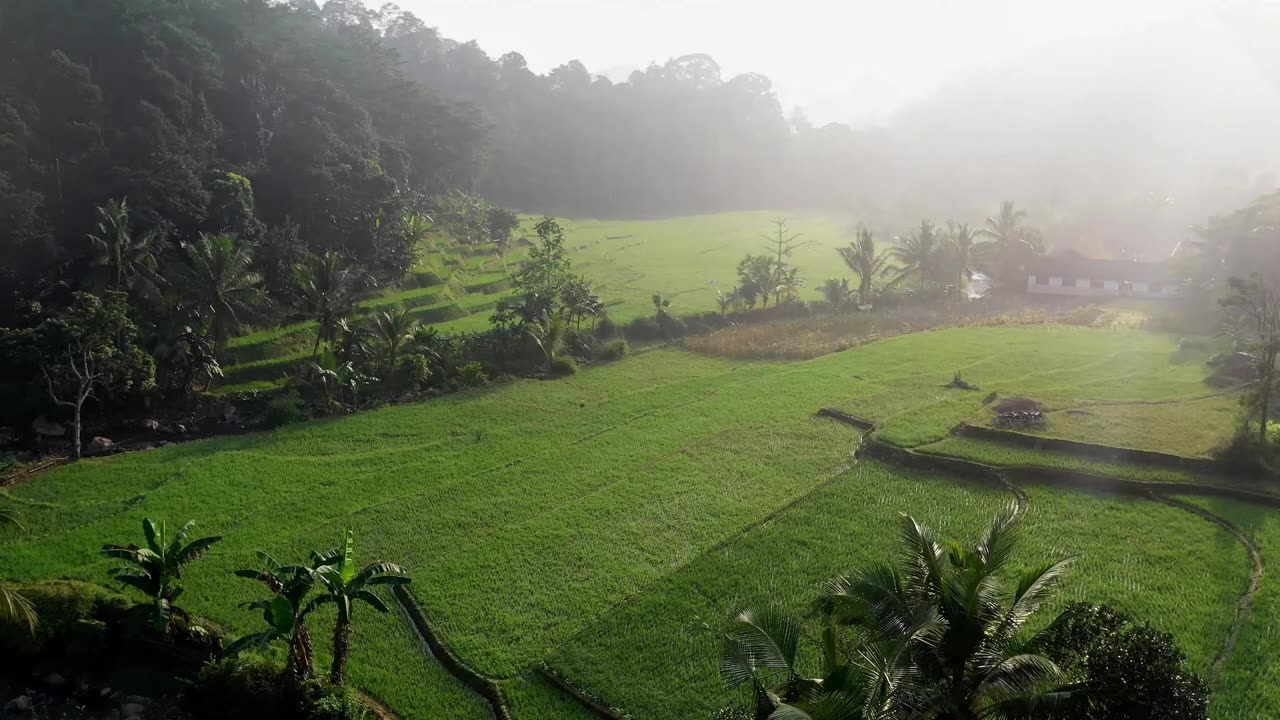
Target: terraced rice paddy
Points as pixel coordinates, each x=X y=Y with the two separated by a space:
x=609 y=523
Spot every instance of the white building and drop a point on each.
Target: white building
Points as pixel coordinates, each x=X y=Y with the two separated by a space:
x=1073 y=274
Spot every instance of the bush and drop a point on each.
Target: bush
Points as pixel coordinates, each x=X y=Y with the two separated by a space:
x=613 y=350
x=563 y=365
x=671 y=327
x=472 y=375
x=73 y=622
x=336 y=703
x=283 y=409
x=606 y=328
x=245 y=686
x=413 y=373
x=642 y=329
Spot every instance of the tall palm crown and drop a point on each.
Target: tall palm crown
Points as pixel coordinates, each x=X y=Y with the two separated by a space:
x=344 y=585
x=962 y=238
x=922 y=252
x=391 y=331
x=862 y=258
x=327 y=287
x=156 y=568
x=963 y=626
x=15 y=609
x=1011 y=244
x=935 y=636
x=218 y=277
x=126 y=261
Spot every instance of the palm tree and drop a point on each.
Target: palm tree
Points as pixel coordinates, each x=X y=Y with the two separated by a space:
x=549 y=333
x=391 y=331
x=789 y=284
x=284 y=615
x=344 y=585
x=970 y=655
x=1010 y=245
x=921 y=252
x=865 y=262
x=327 y=288
x=127 y=261
x=836 y=291
x=157 y=568
x=15 y=609
x=962 y=241
x=934 y=636
x=217 y=278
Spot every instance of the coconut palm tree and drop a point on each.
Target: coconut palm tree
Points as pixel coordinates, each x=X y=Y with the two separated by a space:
x=1011 y=243
x=862 y=258
x=836 y=292
x=283 y=614
x=922 y=252
x=788 y=287
x=549 y=333
x=977 y=660
x=327 y=287
x=936 y=635
x=390 y=332
x=156 y=568
x=15 y=609
x=962 y=239
x=126 y=261
x=217 y=279
x=344 y=585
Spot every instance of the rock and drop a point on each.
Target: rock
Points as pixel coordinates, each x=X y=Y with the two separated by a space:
x=228 y=412
x=98 y=445
x=45 y=427
x=152 y=425
x=180 y=428
x=54 y=680
x=20 y=704
x=132 y=710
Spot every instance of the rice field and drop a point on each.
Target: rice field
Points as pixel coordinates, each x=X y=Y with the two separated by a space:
x=607 y=523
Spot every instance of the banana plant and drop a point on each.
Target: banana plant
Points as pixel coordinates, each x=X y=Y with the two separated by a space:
x=284 y=615
x=156 y=568
x=344 y=585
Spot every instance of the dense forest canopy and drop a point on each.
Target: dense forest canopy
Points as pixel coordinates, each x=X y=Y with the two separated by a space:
x=318 y=125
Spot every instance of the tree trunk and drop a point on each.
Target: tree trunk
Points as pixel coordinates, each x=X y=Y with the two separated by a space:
x=315 y=349
x=75 y=429
x=298 y=666
x=341 y=648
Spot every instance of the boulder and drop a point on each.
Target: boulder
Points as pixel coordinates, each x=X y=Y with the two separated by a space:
x=228 y=412
x=98 y=445
x=151 y=425
x=20 y=704
x=44 y=427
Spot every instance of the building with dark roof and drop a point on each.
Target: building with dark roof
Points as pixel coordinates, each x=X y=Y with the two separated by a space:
x=1073 y=274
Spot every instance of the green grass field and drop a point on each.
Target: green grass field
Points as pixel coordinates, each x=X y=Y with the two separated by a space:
x=598 y=521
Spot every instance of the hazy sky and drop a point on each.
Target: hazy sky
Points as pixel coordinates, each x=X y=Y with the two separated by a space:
x=852 y=60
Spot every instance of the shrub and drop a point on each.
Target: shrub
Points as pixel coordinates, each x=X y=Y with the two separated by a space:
x=606 y=328
x=336 y=703
x=613 y=350
x=563 y=365
x=283 y=409
x=671 y=327
x=472 y=375
x=244 y=686
x=642 y=329
x=413 y=373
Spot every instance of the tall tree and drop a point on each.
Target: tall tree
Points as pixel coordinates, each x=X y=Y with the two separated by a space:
x=922 y=253
x=1258 y=302
x=217 y=277
x=327 y=287
x=1011 y=244
x=391 y=330
x=861 y=257
x=782 y=242
x=344 y=585
x=127 y=260
x=962 y=239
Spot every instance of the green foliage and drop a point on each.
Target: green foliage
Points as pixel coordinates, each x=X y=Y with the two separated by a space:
x=613 y=350
x=283 y=409
x=471 y=375
x=540 y=282
x=502 y=222
x=336 y=703
x=237 y=687
x=155 y=569
x=217 y=278
x=414 y=372
x=1130 y=669
x=563 y=365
